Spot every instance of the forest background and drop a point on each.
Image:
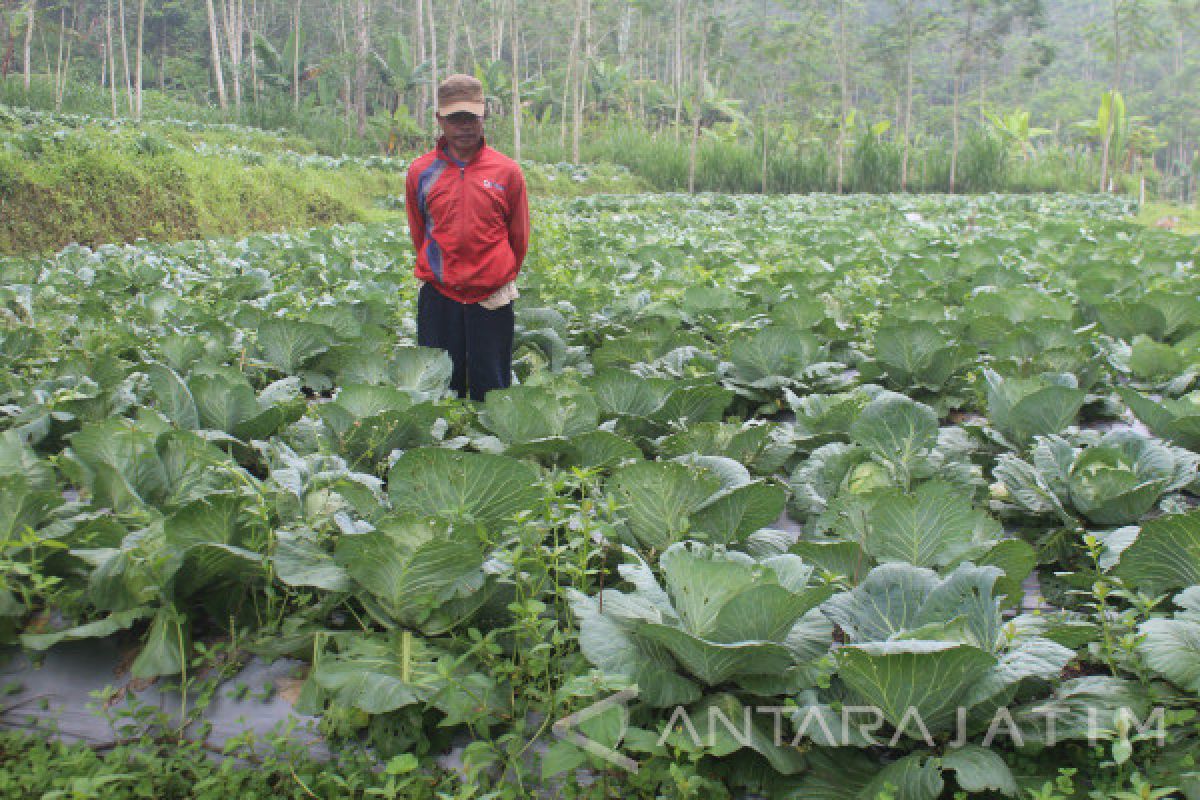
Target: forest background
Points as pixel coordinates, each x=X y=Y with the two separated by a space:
x=734 y=96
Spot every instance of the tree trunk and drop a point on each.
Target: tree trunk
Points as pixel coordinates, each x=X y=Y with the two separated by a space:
x=433 y=52
x=908 y=93
x=514 y=40
x=764 y=144
x=696 y=111
x=581 y=90
x=499 y=18
x=983 y=75
x=296 y=56
x=214 y=41
x=452 y=38
x=678 y=64
x=470 y=40
x=347 y=79
x=419 y=58
x=62 y=35
x=10 y=47
x=362 y=36
x=844 y=92
x=141 y=30
x=234 y=21
x=960 y=73
x=63 y=72
x=28 y=63
x=112 y=56
x=125 y=57
x=954 y=135
x=251 y=27
x=569 y=80
x=1106 y=146
x=162 y=56
x=1178 y=64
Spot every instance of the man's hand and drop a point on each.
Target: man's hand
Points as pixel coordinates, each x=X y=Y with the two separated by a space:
x=501 y=297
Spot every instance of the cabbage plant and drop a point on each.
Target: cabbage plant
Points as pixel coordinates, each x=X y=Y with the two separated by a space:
x=895 y=442
x=1021 y=408
x=765 y=361
x=700 y=497
x=1106 y=480
x=1176 y=419
x=1171 y=646
x=917 y=355
x=718 y=617
x=934 y=525
x=935 y=659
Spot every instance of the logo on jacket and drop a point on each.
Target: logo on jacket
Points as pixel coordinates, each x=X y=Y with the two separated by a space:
x=492 y=185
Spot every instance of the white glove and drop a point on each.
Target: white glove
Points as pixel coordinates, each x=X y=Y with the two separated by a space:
x=501 y=297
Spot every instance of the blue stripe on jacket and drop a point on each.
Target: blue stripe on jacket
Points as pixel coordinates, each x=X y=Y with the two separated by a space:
x=433 y=251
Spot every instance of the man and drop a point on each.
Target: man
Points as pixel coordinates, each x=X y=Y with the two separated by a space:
x=469 y=220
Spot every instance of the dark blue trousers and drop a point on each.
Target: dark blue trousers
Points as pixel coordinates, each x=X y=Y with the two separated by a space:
x=479 y=341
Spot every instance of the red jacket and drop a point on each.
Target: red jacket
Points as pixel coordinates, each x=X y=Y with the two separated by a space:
x=469 y=222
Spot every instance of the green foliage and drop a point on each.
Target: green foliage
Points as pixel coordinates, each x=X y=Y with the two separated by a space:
x=92 y=188
x=225 y=446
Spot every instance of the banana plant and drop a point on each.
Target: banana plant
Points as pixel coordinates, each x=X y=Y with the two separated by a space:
x=1109 y=117
x=1128 y=137
x=1015 y=129
x=397 y=72
x=610 y=85
x=497 y=86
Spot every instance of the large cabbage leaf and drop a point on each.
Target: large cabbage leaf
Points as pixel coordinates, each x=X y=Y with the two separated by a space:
x=705 y=497
x=1021 y=408
x=918 y=643
x=1171 y=646
x=477 y=487
x=718 y=616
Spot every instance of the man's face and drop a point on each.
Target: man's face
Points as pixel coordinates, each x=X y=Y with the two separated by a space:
x=463 y=130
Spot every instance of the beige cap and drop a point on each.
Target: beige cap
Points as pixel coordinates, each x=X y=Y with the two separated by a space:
x=460 y=93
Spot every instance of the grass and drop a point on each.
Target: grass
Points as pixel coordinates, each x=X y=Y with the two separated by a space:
x=72 y=180
x=96 y=191
x=1188 y=216
x=728 y=162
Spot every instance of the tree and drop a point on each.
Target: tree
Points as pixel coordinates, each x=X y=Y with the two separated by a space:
x=843 y=58
x=215 y=53
x=141 y=30
x=112 y=56
x=362 y=40
x=234 y=18
x=514 y=40
x=1184 y=18
x=28 y=62
x=710 y=33
x=296 y=42
x=125 y=56
x=1129 y=28
x=569 y=80
x=978 y=30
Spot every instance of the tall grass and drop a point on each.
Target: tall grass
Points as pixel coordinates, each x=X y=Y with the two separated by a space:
x=873 y=164
x=659 y=157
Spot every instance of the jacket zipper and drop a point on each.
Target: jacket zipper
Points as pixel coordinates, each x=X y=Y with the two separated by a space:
x=462 y=206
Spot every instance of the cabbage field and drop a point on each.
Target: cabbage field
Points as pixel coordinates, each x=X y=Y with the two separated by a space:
x=797 y=497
